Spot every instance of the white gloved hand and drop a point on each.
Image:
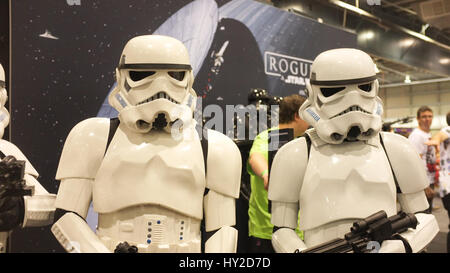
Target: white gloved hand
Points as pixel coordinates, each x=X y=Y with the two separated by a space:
x=392 y=246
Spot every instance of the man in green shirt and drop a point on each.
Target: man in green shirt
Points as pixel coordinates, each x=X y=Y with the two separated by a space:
x=260 y=228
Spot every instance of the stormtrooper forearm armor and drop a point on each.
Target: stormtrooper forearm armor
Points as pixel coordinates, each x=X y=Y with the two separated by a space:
x=284 y=237
x=39 y=208
x=71 y=230
x=73 y=233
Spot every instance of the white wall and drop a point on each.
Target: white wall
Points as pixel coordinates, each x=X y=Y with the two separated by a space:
x=404 y=100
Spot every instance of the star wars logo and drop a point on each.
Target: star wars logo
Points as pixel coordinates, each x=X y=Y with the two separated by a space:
x=291 y=70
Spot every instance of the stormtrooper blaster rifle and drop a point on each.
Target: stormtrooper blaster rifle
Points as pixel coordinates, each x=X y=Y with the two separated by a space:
x=12 y=184
x=401 y=120
x=367 y=233
x=11 y=179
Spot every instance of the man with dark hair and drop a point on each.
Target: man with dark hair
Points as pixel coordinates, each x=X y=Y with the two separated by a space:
x=260 y=227
x=419 y=136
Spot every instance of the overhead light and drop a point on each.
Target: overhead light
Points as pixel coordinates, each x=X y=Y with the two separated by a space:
x=368 y=35
x=444 y=61
x=407 y=79
x=406 y=42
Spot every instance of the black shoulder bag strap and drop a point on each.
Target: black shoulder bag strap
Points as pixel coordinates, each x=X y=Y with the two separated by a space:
x=390 y=165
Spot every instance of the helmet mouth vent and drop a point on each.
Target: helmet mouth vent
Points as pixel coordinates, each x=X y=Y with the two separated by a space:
x=160 y=121
x=353 y=108
x=159 y=95
x=353 y=134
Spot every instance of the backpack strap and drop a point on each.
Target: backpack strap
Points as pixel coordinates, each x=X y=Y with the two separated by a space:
x=204 y=143
x=308 y=143
x=390 y=165
x=113 y=125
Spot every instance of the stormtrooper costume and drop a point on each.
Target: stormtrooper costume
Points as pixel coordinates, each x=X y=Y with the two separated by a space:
x=349 y=169
x=147 y=178
x=35 y=210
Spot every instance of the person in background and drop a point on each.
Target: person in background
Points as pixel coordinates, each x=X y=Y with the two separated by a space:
x=418 y=137
x=260 y=227
x=441 y=141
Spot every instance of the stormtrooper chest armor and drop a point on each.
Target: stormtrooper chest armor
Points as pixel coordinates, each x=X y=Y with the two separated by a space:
x=348 y=181
x=152 y=168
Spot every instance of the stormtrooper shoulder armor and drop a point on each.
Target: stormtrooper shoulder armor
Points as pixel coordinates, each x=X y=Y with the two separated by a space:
x=9 y=148
x=287 y=171
x=405 y=162
x=220 y=177
x=84 y=149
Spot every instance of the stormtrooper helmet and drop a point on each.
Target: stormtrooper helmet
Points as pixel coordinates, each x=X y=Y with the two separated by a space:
x=4 y=114
x=154 y=84
x=343 y=102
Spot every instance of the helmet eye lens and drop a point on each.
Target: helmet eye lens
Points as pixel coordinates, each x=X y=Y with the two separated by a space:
x=365 y=87
x=177 y=75
x=139 y=75
x=2 y=84
x=330 y=91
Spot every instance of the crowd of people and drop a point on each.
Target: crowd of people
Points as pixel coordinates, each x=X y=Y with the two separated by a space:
x=434 y=151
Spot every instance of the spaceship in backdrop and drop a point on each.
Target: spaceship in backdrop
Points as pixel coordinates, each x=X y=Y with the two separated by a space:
x=48 y=35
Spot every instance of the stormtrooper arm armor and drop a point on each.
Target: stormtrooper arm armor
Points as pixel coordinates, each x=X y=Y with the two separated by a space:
x=40 y=207
x=411 y=179
x=81 y=157
x=223 y=182
x=285 y=182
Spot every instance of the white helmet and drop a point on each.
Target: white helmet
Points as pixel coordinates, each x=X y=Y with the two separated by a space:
x=4 y=114
x=342 y=101
x=154 y=84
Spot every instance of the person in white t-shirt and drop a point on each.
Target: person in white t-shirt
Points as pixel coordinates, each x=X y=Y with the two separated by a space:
x=442 y=142
x=418 y=137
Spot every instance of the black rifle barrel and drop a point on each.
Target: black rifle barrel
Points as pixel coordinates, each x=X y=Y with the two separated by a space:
x=361 y=234
x=407 y=220
x=363 y=224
